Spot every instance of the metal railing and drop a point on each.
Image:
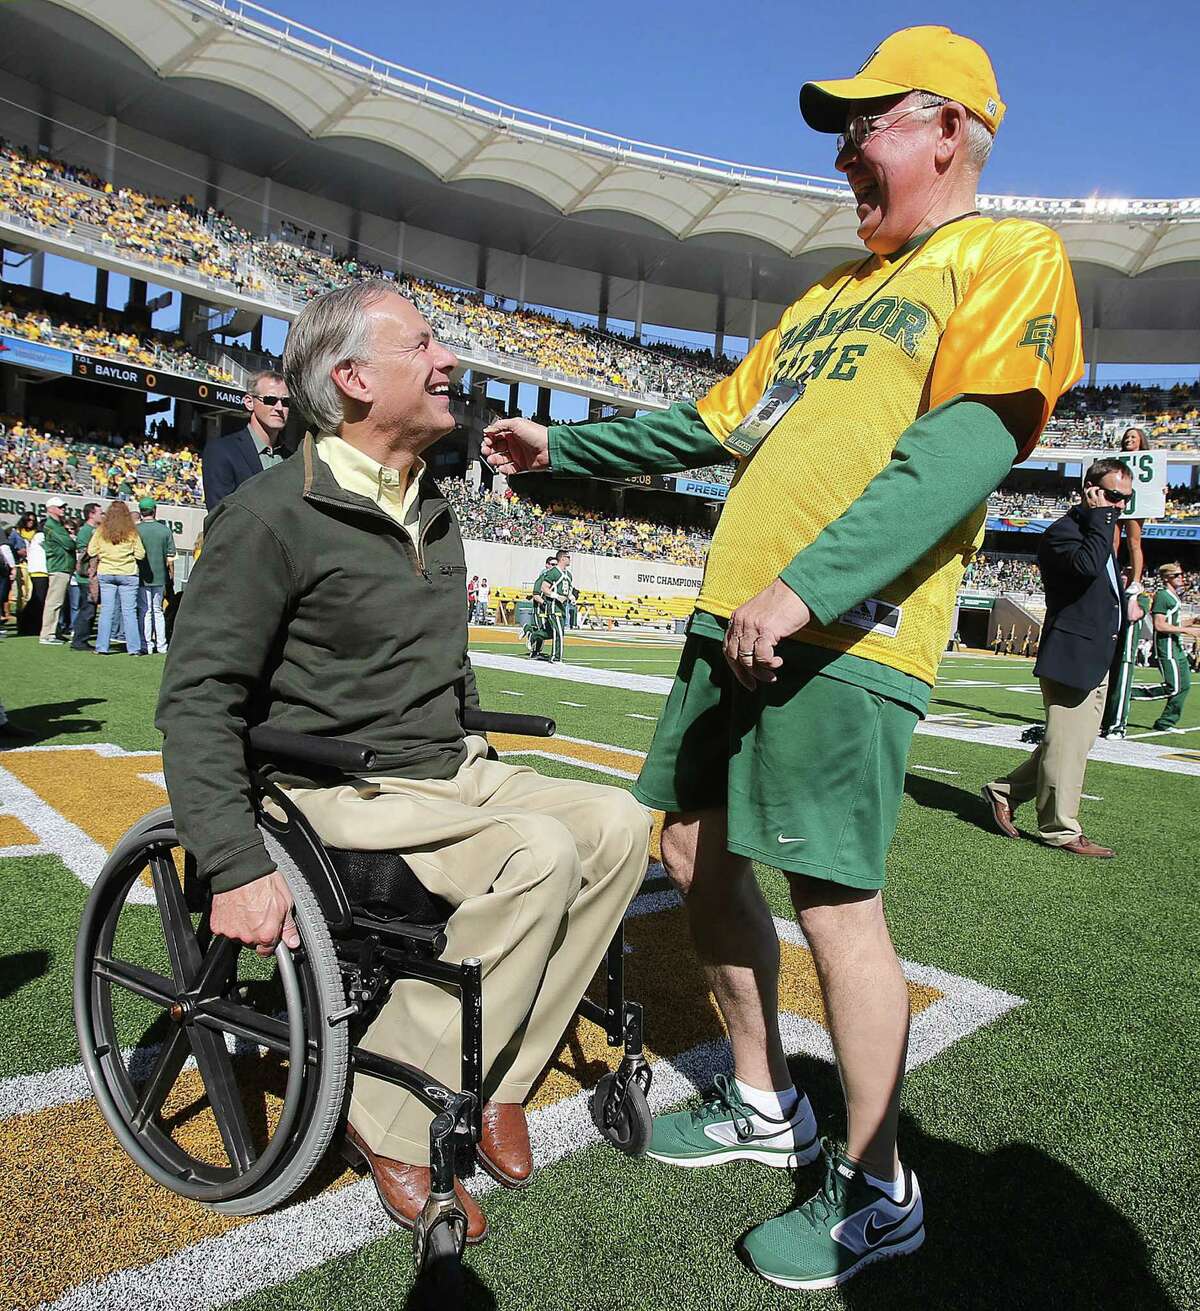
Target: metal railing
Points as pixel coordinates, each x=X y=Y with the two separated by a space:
x=385 y=75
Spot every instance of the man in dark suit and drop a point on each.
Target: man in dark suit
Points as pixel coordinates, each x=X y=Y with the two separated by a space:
x=1084 y=604
x=229 y=461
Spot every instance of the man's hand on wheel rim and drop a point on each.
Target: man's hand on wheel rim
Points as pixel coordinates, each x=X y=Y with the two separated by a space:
x=257 y=914
x=757 y=627
x=516 y=446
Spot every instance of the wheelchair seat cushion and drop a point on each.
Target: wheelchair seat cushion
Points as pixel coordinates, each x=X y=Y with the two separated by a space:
x=383 y=883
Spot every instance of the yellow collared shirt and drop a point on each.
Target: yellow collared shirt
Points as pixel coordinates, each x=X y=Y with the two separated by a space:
x=356 y=472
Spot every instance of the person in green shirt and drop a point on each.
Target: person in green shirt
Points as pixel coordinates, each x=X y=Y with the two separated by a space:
x=154 y=571
x=60 y=562
x=86 y=613
x=1167 y=616
x=538 y=631
x=558 y=590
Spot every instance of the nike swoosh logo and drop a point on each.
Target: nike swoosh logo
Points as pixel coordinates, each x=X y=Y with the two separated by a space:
x=874 y=1234
x=782 y=839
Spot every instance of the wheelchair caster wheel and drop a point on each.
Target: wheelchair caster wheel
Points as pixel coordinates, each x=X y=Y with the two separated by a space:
x=629 y=1130
x=437 y=1254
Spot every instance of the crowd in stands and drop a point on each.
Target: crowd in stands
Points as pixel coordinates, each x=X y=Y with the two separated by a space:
x=1182 y=503
x=160 y=351
x=298 y=266
x=1011 y=574
x=508 y=517
x=94 y=462
x=56 y=194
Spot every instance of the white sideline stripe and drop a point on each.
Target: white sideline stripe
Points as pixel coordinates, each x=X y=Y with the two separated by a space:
x=301 y=1237
x=58 y=836
x=652 y=718
x=26 y=849
x=579 y=705
x=933 y=769
x=572 y=673
x=1162 y=732
x=505 y=692
x=993 y=735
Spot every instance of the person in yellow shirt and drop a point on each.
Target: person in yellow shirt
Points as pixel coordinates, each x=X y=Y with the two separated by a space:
x=117 y=547
x=868 y=428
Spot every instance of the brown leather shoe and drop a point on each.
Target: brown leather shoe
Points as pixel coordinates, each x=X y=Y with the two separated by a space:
x=1084 y=846
x=1001 y=812
x=404 y=1189
x=503 y=1150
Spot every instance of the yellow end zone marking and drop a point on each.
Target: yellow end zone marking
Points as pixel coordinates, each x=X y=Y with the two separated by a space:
x=14 y=834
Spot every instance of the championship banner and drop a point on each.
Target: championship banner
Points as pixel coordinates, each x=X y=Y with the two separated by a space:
x=117 y=373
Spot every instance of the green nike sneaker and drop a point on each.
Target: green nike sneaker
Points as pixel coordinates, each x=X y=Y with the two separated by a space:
x=847 y=1225
x=726 y=1129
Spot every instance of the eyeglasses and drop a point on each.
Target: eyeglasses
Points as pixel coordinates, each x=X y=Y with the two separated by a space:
x=285 y=401
x=1118 y=498
x=859 y=129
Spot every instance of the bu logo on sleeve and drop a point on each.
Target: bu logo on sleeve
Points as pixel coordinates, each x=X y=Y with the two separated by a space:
x=1040 y=333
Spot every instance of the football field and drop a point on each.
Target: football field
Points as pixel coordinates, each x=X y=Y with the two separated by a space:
x=1050 y=1109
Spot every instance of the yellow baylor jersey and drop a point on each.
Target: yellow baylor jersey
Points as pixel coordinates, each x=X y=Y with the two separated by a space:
x=981 y=307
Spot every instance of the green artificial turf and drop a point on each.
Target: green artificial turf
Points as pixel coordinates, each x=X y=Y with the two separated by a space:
x=1057 y=1147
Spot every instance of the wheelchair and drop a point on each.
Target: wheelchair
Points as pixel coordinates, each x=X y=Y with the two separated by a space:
x=266 y=1047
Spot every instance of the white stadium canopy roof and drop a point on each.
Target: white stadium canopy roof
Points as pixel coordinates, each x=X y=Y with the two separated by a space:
x=707 y=237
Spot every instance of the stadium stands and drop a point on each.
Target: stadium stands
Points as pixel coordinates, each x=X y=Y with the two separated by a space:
x=167 y=354
x=295 y=267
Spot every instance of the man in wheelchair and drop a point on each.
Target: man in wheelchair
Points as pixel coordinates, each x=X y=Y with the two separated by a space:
x=330 y=600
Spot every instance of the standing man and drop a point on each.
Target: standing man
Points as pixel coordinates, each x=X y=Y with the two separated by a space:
x=472 y=598
x=1166 y=616
x=155 y=571
x=228 y=461
x=558 y=588
x=538 y=629
x=1084 y=605
x=82 y=629
x=869 y=427
x=59 y=546
x=483 y=598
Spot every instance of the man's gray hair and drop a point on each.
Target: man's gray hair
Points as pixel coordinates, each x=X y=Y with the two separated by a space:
x=332 y=329
x=979 y=136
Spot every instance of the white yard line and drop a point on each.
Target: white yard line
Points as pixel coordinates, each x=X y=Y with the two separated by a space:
x=933 y=769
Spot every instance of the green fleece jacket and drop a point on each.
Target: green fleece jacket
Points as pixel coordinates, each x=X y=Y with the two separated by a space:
x=60 y=548
x=310 y=610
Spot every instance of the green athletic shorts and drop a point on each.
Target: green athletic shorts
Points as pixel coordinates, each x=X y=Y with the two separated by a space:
x=810 y=768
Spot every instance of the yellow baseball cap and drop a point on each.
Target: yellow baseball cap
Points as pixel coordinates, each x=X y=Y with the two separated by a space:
x=931 y=59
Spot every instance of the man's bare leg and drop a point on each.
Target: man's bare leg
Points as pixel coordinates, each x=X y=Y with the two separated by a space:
x=735 y=940
x=867 y=1011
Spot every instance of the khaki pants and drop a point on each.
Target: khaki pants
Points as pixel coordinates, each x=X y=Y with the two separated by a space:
x=540 y=872
x=1053 y=774
x=56 y=594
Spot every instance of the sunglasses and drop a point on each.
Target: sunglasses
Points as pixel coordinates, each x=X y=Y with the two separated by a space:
x=1118 y=497
x=274 y=400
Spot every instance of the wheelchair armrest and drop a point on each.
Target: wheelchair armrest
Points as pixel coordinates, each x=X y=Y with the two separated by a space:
x=500 y=721
x=331 y=752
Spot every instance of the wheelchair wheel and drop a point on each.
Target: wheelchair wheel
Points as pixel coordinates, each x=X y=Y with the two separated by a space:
x=217 y=1069
x=438 y=1257
x=630 y=1131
